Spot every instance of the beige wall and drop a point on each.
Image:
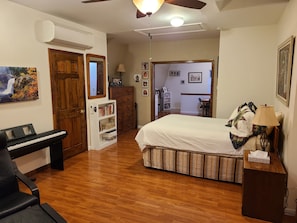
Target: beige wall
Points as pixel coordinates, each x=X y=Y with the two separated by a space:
x=162 y=51
x=117 y=53
x=20 y=48
x=286 y=28
x=246 y=68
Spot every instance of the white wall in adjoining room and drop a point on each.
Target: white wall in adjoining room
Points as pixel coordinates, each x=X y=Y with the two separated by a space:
x=180 y=84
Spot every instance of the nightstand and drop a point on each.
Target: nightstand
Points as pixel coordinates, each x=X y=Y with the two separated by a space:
x=264 y=188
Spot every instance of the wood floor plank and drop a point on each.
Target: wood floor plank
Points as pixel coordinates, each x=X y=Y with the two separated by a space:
x=112 y=185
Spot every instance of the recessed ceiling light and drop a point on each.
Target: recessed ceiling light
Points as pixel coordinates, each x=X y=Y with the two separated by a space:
x=177 y=21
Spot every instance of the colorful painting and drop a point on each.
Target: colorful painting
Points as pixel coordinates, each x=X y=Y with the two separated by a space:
x=18 y=84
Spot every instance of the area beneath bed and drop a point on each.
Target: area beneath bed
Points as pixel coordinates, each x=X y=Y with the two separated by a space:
x=203 y=165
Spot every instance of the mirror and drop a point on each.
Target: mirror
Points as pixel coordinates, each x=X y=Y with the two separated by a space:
x=96 y=74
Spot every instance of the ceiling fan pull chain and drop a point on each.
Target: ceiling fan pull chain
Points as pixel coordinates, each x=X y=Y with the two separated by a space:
x=150 y=46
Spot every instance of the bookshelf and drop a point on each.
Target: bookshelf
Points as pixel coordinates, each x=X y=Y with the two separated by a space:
x=103 y=122
x=167 y=100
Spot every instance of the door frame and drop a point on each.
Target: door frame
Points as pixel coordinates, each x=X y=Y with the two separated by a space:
x=152 y=68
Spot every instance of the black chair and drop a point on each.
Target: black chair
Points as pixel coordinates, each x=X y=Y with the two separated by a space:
x=15 y=205
x=205 y=106
x=12 y=199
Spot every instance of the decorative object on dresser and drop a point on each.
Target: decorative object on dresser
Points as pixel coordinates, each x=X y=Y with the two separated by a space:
x=265 y=117
x=264 y=188
x=121 y=69
x=126 y=112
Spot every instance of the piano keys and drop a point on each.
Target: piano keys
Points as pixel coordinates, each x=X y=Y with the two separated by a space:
x=22 y=140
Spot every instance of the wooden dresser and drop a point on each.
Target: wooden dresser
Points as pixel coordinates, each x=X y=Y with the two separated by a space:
x=126 y=111
x=264 y=188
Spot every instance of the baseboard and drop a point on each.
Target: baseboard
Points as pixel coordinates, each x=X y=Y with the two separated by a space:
x=290 y=212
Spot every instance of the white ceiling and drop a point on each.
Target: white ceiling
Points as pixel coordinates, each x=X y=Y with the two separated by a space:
x=118 y=17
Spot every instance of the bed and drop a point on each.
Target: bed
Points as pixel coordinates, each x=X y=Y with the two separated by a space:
x=193 y=145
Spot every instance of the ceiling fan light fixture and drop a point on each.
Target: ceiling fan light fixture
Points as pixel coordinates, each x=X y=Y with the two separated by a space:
x=148 y=7
x=177 y=21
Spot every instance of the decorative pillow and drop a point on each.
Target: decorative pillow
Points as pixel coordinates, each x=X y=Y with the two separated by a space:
x=237 y=141
x=234 y=114
x=252 y=106
x=242 y=127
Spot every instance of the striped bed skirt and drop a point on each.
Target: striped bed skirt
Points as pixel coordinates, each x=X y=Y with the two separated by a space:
x=203 y=165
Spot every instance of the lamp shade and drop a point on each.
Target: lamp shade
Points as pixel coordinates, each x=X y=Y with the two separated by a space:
x=121 y=68
x=265 y=116
x=148 y=7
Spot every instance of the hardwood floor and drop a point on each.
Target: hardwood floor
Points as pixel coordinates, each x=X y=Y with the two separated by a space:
x=111 y=185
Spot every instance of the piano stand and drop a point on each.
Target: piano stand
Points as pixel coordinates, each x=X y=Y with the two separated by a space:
x=56 y=153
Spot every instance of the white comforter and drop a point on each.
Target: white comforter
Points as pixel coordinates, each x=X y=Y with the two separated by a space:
x=183 y=132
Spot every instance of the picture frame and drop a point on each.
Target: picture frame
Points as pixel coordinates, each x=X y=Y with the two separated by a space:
x=284 y=70
x=145 y=66
x=145 y=74
x=18 y=84
x=174 y=73
x=145 y=92
x=145 y=83
x=195 y=77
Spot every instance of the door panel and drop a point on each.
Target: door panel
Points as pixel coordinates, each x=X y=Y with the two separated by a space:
x=68 y=94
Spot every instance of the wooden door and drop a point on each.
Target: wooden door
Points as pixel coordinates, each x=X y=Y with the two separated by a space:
x=68 y=95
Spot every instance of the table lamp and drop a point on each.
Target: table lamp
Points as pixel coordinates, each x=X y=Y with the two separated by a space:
x=265 y=116
x=121 y=69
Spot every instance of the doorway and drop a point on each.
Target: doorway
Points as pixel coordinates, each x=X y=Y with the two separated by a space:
x=68 y=98
x=182 y=87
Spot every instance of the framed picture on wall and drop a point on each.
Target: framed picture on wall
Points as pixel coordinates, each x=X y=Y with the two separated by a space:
x=284 y=70
x=145 y=92
x=144 y=66
x=145 y=74
x=18 y=84
x=145 y=83
x=195 y=77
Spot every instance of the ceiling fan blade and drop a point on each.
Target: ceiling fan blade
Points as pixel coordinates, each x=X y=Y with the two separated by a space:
x=194 y=4
x=91 y=1
x=139 y=14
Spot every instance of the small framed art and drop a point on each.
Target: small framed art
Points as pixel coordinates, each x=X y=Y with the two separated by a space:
x=195 y=77
x=145 y=92
x=145 y=83
x=144 y=66
x=145 y=74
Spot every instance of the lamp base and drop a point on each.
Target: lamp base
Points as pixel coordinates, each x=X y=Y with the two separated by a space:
x=264 y=142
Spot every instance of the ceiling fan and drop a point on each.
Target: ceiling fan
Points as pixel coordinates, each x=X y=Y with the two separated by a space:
x=141 y=12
